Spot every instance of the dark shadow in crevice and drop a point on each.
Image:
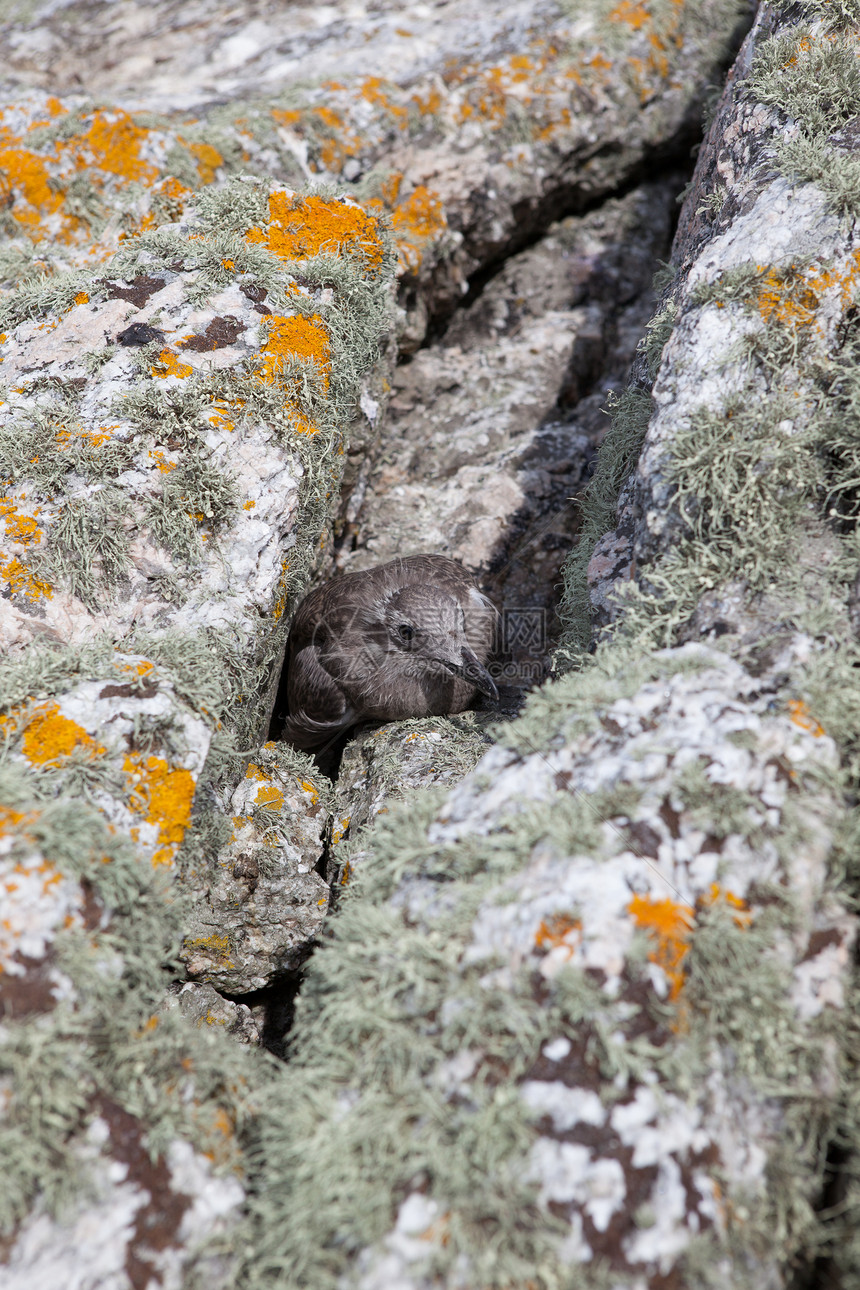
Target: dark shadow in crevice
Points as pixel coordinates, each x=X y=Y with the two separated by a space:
x=822 y=1273
x=276 y=1003
x=561 y=204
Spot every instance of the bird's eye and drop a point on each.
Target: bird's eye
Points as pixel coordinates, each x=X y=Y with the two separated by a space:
x=406 y=632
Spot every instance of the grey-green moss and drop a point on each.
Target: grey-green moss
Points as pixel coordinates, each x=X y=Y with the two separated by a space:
x=813 y=78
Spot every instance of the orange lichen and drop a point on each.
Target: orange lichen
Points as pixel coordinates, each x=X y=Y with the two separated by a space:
x=49 y=737
x=17 y=821
x=24 y=184
x=112 y=142
x=631 y=12
x=307 y=787
x=295 y=337
x=22 y=529
x=281 y=596
x=22 y=581
x=669 y=924
x=161 y=461
x=793 y=298
x=289 y=118
x=418 y=219
x=108 y=145
x=143 y=668
x=556 y=930
x=801 y=716
x=300 y=227
x=217 y=417
x=269 y=796
x=81 y=298
x=743 y=915
x=208 y=159
x=163 y=796
x=93 y=438
x=371 y=89
x=167 y=364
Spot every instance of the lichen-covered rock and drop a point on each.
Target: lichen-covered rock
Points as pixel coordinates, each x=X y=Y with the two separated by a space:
x=118 y=1123
x=171 y=437
x=709 y=489
x=583 y=1009
x=204 y=1006
x=140 y=1222
x=472 y=129
x=160 y=428
x=262 y=902
x=383 y=765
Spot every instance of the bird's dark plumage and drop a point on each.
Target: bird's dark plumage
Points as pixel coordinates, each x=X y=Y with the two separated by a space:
x=410 y=638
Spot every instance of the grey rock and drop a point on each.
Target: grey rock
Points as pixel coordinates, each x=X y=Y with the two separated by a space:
x=259 y=902
x=204 y=1006
x=386 y=764
x=491 y=430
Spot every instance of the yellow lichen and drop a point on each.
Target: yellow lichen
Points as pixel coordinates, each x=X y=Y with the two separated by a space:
x=163 y=796
x=49 y=737
x=216 y=945
x=339 y=830
x=167 y=364
x=669 y=924
x=300 y=227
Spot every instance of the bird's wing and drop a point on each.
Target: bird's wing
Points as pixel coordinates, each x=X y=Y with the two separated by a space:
x=319 y=710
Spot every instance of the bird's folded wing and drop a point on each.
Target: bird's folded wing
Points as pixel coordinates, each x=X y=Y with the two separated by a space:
x=319 y=710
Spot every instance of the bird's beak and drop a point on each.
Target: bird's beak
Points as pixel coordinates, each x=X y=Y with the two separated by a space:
x=475 y=673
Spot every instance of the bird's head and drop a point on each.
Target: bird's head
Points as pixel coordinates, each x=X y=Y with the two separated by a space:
x=428 y=627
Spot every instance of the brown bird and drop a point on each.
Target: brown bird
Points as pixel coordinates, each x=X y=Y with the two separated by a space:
x=410 y=638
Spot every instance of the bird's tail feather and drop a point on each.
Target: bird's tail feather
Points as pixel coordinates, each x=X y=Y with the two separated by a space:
x=308 y=735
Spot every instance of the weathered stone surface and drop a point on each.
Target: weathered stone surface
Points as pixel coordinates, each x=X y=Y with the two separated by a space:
x=606 y=982
x=580 y=963
x=262 y=903
x=588 y=1014
x=204 y=1006
x=170 y=451
x=475 y=134
x=385 y=764
x=491 y=430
